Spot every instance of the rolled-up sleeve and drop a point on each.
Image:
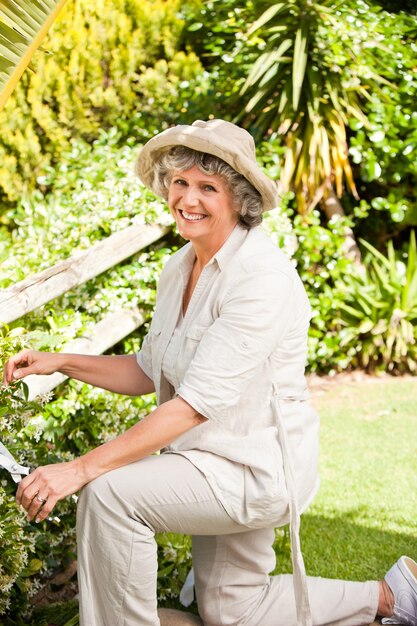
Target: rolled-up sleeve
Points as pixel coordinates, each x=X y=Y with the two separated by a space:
x=254 y=316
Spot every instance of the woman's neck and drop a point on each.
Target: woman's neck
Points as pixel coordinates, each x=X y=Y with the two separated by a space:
x=205 y=252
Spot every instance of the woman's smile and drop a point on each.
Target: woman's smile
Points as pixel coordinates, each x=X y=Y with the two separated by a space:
x=203 y=208
x=192 y=217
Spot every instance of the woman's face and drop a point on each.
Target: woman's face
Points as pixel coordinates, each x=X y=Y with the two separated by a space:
x=202 y=207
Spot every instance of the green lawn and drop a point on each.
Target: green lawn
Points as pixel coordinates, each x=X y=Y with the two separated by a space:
x=365 y=514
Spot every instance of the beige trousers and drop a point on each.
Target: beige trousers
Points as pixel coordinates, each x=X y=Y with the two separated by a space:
x=118 y=516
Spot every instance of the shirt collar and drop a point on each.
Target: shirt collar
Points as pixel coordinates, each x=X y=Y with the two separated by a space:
x=230 y=246
x=222 y=256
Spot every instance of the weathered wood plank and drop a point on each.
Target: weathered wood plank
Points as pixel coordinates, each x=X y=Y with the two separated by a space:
x=105 y=334
x=40 y=288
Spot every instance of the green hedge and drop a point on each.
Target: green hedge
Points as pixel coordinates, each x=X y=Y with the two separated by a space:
x=90 y=202
x=108 y=63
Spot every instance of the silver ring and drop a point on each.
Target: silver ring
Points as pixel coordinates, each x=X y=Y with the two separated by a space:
x=42 y=500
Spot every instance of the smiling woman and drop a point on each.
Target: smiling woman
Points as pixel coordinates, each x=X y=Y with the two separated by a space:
x=225 y=353
x=204 y=211
x=248 y=201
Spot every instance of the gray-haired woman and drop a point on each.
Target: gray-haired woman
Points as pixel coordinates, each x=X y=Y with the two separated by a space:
x=225 y=354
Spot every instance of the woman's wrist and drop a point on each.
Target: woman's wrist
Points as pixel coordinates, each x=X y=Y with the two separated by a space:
x=65 y=363
x=84 y=469
x=89 y=466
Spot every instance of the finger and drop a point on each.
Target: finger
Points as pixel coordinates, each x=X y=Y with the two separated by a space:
x=9 y=367
x=13 y=364
x=46 y=509
x=29 y=488
x=24 y=485
x=36 y=506
x=34 y=491
x=24 y=364
x=21 y=372
x=28 y=496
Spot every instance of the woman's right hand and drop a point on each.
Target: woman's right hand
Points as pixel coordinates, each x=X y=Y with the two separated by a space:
x=30 y=362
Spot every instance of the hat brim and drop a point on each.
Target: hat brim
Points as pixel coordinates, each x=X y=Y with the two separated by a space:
x=216 y=144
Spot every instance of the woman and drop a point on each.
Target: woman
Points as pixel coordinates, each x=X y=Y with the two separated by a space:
x=225 y=354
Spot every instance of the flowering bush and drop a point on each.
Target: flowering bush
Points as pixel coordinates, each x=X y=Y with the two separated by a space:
x=18 y=545
x=89 y=202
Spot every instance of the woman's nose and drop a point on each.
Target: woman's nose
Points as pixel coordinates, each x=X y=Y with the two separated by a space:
x=191 y=196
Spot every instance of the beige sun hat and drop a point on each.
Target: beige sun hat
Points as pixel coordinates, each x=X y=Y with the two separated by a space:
x=218 y=137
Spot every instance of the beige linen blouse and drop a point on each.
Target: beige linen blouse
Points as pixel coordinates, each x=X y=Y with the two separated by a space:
x=240 y=352
x=238 y=358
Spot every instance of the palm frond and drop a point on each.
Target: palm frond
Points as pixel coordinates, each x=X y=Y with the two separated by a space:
x=293 y=90
x=272 y=12
x=299 y=63
x=23 y=26
x=264 y=63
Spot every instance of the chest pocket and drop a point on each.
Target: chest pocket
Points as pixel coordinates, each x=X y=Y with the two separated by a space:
x=197 y=330
x=190 y=343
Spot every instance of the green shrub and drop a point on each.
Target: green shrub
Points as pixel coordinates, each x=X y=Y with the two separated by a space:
x=378 y=312
x=17 y=556
x=344 y=332
x=321 y=266
x=92 y=193
x=174 y=556
x=110 y=61
x=384 y=156
x=88 y=201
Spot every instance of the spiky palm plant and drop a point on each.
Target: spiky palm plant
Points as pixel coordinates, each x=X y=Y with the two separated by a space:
x=23 y=25
x=309 y=80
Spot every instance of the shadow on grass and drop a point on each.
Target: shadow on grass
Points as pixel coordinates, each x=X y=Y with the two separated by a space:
x=351 y=546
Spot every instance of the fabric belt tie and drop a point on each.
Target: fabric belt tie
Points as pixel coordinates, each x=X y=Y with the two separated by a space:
x=299 y=573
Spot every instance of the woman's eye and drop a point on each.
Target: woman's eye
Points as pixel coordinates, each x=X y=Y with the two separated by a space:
x=178 y=181
x=209 y=188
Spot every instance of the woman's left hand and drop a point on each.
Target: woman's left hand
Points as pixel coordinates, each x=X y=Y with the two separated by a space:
x=40 y=491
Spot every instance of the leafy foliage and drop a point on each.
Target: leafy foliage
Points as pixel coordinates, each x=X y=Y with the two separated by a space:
x=385 y=158
x=174 y=553
x=322 y=269
x=313 y=71
x=379 y=311
x=90 y=202
x=22 y=28
x=109 y=62
x=17 y=561
x=354 y=44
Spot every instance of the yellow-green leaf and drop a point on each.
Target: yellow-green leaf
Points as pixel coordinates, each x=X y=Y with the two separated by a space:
x=270 y=13
x=299 y=63
x=23 y=26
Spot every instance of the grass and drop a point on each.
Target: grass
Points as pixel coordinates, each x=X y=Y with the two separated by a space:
x=365 y=514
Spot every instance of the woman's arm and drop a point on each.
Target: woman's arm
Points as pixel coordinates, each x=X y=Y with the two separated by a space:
x=54 y=482
x=120 y=374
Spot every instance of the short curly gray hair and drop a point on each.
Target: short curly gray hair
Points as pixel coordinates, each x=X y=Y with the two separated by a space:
x=246 y=199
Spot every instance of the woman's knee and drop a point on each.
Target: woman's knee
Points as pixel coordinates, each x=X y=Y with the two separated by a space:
x=221 y=606
x=92 y=492
x=95 y=502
